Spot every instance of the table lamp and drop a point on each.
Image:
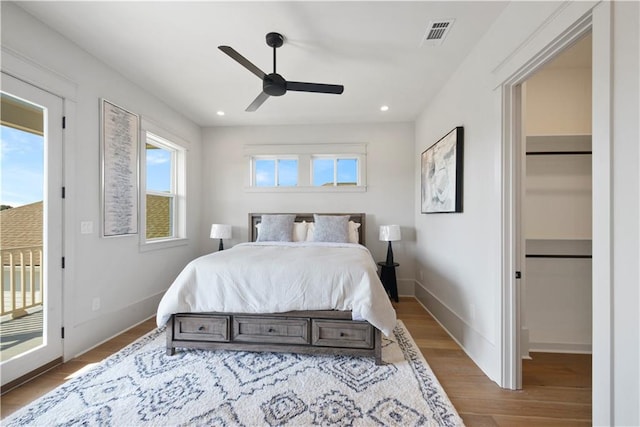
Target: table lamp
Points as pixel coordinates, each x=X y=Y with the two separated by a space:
x=220 y=231
x=389 y=233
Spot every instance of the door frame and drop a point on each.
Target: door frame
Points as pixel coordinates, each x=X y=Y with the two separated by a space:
x=50 y=351
x=513 y=252
x=598 y=21
x=23 y=68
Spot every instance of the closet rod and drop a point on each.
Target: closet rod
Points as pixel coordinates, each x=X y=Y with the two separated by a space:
x=561 y=153
x=556 y=256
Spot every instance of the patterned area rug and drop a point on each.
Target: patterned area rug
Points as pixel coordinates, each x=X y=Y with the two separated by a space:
x=140 y=385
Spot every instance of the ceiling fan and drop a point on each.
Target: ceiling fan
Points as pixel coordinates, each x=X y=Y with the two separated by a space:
x=274 y=84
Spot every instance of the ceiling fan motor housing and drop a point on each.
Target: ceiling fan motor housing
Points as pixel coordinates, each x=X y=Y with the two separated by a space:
x=274 y=85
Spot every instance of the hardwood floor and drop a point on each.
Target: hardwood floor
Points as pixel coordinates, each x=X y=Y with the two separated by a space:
x=26 y=393
x=557 y=387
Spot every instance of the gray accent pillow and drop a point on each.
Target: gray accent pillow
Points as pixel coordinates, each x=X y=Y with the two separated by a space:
x=331 y=228
x=276 y=228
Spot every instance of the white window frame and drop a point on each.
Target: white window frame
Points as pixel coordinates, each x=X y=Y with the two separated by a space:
x=277 y=174
x=179 y=149
x=335 y=159
x=305 y=153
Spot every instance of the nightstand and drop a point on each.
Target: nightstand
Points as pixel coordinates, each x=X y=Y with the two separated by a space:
x=388 y=278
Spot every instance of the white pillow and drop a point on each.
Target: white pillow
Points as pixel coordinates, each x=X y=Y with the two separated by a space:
x=299 y=231
x=353 y=232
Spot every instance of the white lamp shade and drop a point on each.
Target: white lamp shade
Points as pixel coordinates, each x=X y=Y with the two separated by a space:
x=220 y=231
x=390 y=233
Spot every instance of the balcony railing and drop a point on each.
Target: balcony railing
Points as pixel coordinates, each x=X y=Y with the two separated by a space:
x=21 y=280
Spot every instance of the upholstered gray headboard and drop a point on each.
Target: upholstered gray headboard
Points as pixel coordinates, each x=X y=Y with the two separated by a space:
x=255 y=218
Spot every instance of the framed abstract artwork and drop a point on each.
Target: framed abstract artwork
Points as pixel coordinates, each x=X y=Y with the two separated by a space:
x=119 y=142
x=441 y=174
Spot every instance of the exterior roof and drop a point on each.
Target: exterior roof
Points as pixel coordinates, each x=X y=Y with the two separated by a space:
x=21 y=227
x=158 y=216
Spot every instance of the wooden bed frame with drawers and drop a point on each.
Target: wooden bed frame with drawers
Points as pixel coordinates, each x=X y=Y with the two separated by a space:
x=307 y=332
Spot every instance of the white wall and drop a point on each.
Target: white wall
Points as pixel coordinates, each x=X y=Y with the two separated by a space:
x=558 y=197
x=458 y=255
x=557 y=306
x=388 y=199
x=570 y=111
x=557 y=103
x=128 y=282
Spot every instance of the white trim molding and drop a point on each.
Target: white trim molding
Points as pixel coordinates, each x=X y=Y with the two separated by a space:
x=569 y=24
x=602 y=160
x=304 y=154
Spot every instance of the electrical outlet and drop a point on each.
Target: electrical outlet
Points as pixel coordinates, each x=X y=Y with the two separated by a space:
x=95 y=304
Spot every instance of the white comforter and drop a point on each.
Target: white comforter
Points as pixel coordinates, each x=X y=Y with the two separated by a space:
x=275 y=277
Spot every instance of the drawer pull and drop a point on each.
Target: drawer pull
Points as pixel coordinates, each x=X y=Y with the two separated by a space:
x=201 y=328
x=341 y=334
x=270 y=330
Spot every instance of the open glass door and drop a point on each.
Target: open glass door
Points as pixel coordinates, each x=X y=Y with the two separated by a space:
x=30 y=229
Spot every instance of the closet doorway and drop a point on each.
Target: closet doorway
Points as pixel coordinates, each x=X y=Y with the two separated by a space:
x=556 y=219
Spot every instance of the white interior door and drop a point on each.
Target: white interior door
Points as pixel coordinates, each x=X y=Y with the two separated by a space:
x=31 y=245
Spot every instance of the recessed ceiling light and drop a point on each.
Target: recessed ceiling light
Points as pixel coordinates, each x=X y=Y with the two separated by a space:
x=220 y=113
x=384 y=108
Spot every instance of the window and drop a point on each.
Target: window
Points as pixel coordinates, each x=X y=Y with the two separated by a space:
x=306 y=168
x=334 y=171
x=275 y=172
x=164 y=195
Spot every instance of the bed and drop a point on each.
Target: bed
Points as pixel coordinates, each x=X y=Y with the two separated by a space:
x=300 y=297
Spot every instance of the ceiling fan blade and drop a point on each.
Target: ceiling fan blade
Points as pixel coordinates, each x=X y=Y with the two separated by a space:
x=257 y=102
x=315 y=87
x=242 y=61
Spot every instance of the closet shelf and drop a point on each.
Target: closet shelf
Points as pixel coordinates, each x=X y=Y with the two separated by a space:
x=558 y=145
x=557 y=153
x=557 y=256
x=559 y=248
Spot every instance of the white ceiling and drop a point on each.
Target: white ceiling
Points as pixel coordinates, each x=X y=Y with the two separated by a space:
x=374 y=49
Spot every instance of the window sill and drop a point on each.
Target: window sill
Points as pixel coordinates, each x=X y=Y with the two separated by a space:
x=300 y=189
x=154 y=245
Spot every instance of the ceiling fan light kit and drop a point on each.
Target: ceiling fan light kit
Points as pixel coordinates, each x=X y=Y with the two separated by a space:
x=274 y=84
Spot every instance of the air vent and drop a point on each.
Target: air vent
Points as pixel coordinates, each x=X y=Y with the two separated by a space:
x=436 y=32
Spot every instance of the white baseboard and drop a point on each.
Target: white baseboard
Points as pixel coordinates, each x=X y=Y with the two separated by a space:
x=80 y=338
x=406 y=288
x=481 y=351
